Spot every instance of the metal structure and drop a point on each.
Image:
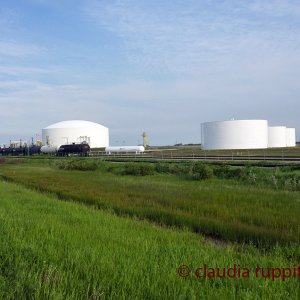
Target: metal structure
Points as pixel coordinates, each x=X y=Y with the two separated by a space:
x=76 y=131
x=234 y=134
x=277 y=136
x=20 y=151
x=82 y=149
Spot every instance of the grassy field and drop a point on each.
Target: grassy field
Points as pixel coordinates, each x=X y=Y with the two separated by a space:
x=98 y=233
x=52 y=249
x=220 y=208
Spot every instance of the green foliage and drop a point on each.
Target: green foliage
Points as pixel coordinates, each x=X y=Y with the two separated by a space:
x=76 y=164
x=202 y=171
x=222 y=171
x=237 y=210
x=52 y=249
x=172 y=168
x=139 y=169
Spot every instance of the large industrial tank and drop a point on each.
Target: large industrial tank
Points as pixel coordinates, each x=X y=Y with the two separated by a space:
x=76 y=131
x=235 y=134
x=290 y=137
x=277 y=136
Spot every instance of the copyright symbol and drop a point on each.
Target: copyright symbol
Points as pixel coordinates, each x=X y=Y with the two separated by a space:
x=184 y=271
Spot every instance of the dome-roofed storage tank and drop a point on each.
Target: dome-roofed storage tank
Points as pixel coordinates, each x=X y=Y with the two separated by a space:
x=277 y=136
x=76 y=131
x=234 y=134
x=290 y=137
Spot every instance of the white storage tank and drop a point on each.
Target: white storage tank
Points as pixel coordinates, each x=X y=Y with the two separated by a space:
x=234 y=134
x=76 y=131
x=277 y=136
x=290 y=137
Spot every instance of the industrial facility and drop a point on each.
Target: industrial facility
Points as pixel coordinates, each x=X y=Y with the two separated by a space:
x=245 y=134
x=78 y=137
x=76 y=131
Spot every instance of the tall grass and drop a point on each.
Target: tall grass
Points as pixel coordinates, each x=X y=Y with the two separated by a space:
x=216 y=207
x=53 y=249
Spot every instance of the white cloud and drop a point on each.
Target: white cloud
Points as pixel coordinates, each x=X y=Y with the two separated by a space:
x=195 y=61
x=276 y=8
x=8 y=17
x=20 y=50
x=187 y=39
x=167 y=111
x=22 y=71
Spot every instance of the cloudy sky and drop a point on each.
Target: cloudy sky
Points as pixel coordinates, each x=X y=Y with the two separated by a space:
x=160 y=66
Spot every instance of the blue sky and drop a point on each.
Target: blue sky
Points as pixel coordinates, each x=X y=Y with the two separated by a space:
x=160 y=66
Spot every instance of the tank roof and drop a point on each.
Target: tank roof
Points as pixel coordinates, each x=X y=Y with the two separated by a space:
x=73 y=124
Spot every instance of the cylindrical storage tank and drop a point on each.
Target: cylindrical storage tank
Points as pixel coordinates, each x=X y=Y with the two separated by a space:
x=125 y=149
x=234 y=134
x=290 y=137
x=277 y=136
x=76 y=131
x=49 y=149
x=74 y=149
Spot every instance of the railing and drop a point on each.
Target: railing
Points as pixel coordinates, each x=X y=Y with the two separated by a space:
x=234 y=155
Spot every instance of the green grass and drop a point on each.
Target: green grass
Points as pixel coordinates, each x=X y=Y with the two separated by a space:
x=222 y=209
x=285 y=152
x=51 y=249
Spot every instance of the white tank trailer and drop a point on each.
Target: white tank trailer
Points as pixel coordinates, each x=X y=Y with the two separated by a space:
x=125 y=149
x=234 y=134
x=290 y=137
x=277 y=136
x=49 y=149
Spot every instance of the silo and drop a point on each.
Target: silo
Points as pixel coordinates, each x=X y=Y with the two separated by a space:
x=290 y=137
x=235 y=134
x=76 y=131
x=277 y=136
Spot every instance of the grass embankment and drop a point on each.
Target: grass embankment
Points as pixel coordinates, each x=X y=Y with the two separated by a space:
x=53 y=249
x=220 y=208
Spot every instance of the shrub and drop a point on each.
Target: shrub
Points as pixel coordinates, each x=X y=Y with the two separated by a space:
x=222 y=171
x=162 y=168
x=202 y=171
x=147 y=169
x=238 y=173
x=139 y=169
x=172 y=168
x=77 y=164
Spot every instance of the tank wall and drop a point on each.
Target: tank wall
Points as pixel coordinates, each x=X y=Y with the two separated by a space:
x=290 y=137
x=236 y=134
x=277 y=136
x=98 y=136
